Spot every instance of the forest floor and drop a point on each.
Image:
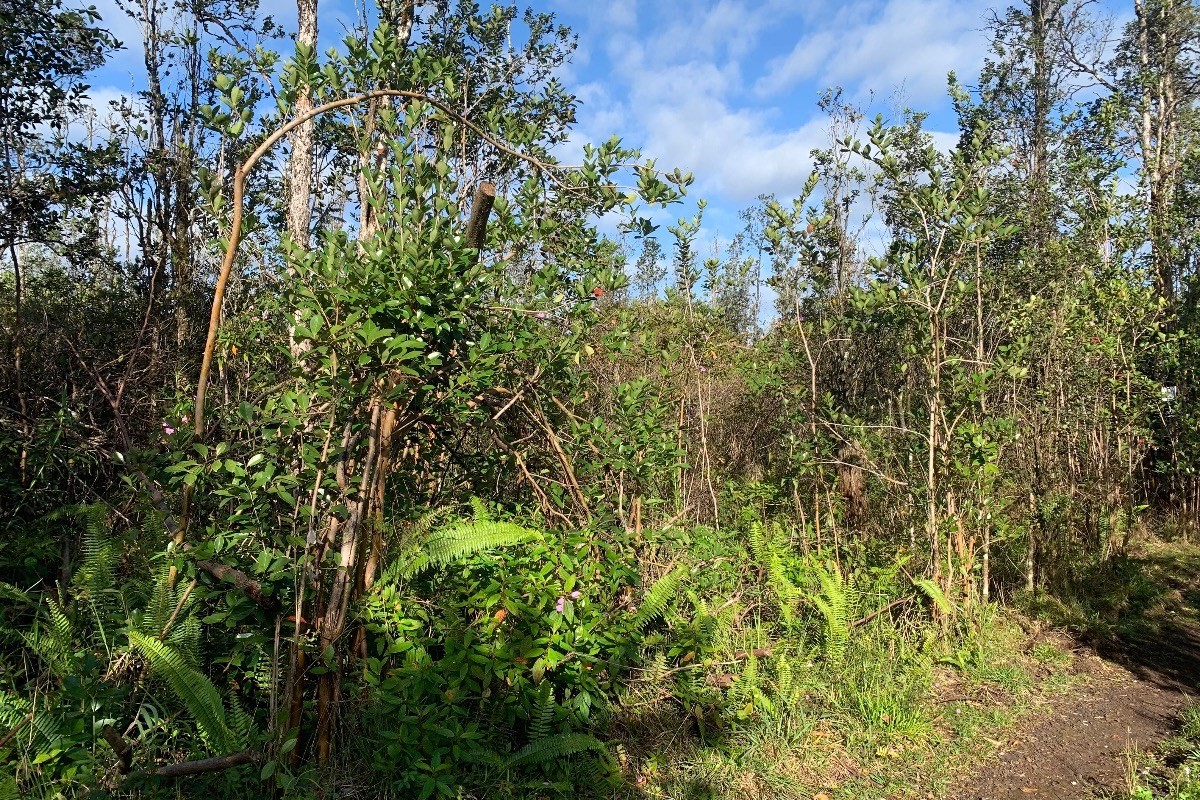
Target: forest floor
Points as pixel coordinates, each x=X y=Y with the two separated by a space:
x=1137 y=674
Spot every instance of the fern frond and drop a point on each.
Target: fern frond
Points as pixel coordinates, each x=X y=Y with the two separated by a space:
x=758 y=542
x=835 y=603
x=655 y=603
x=747 y=684
x=53 y=638
x=935 y=593
x=766 y=552
x=783 y=677
x=197 y=693
x=46 y=728
x=555 y=747
x=543 y=713
x=97 y=554
x=428 y=521
x=241 y=721
x=10 y=592
x=160 y=606
x=154 y=526
x=456 y=542
x=185 y=638
x=480 y=510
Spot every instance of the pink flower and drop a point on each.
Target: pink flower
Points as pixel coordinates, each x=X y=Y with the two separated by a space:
x=703 y=369
x=184 y=419
x=575 y=595
x=562 y=601
x=167 y=429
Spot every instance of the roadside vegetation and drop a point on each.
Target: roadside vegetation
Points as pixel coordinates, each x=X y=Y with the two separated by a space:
x=342 y=454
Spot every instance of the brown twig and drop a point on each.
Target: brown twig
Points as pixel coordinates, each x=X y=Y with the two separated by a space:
x=536 y=414
x=178 y=607
x=8 y=737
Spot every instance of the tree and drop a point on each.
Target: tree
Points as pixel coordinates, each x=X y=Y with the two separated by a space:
x=407 y=331
x=46 y=50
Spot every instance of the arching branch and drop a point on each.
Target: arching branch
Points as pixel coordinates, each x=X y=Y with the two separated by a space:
x=235 y=233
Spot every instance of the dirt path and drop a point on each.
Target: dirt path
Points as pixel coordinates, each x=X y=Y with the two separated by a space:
x=1133 y=692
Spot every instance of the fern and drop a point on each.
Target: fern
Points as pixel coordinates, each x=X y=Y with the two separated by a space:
x=53 y=639
x=241 y=721
x=759 y=546
x=160 y=606
x=46 y=729
x=428 y=521
x=185 y=638
x=747 y=684
x=784 y=679
x=10 y=592
x=766 y=552
x=97 y=554
x=197 y=693
x=552 y=748
x=935 y=593
x=456 y=542
x=655 y=603
x=479 y=507
x=542 y=717
x=836 y=602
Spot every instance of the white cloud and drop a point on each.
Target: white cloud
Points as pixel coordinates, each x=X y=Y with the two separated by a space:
x=678 y=94
x=717 y=88
x=869 y=46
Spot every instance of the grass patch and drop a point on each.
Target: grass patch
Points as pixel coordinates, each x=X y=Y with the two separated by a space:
x=1173 y=771
x=900 y=714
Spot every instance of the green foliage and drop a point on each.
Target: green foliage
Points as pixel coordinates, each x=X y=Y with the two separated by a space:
x=936 y=595
x=550 y=749
x=658 y=597
x=508 y=511
x=197 y=693
x=764 y=545
x=837 y=601
x=455 y=542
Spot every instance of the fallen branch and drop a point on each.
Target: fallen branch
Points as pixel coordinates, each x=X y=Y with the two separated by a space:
x=863 y=621
x=204 y=765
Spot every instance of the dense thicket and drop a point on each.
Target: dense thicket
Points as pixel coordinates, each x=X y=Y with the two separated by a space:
x=451 y=491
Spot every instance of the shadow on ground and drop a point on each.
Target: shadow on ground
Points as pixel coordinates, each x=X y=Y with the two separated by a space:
x=1137 y=619
x=1144 y=614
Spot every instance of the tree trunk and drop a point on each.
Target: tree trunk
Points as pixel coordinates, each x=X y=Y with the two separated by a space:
x=300 y=165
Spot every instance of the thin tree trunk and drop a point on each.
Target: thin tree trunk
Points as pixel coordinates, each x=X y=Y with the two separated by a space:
x=300 y=165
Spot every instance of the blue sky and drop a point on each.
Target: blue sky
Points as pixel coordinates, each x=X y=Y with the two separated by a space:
x=726 y=89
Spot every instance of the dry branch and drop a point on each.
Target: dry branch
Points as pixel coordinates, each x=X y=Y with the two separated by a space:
x=122 y=748
x=204 y=765
x=250 y=587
